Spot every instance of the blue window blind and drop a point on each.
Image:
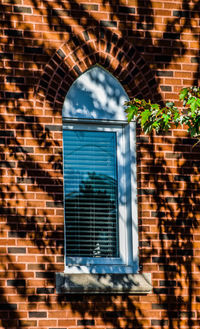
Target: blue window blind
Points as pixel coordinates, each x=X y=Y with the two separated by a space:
x=91 y=193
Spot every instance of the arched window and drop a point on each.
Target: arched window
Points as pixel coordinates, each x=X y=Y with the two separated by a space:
x=101 y=234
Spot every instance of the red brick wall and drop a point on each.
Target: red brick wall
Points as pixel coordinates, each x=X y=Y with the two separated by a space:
x=152 y=47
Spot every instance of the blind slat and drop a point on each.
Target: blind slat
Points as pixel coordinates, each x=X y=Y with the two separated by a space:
x=90 y=185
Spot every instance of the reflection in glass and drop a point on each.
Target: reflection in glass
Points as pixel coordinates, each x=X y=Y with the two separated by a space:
x=90 y=184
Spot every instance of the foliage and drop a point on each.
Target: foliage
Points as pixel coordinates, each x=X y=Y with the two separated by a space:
x=154 y=117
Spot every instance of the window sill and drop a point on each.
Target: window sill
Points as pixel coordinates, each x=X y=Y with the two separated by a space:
x=103 y=283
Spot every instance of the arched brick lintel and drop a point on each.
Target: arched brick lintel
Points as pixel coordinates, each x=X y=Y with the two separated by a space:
x=89 y=48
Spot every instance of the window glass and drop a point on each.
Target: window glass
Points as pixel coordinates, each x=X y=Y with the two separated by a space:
x=91 y=193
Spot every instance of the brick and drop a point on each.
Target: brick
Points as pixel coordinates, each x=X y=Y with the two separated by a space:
x=45 y=291
x=46 y=275
x=16 y=283
x=145 y=26
x=61 y=53
x=159 y=322
x=86 y=35
x=16 y=234
x=15 y=79
x=119 y=56
x=166 y=88
x=16 y=250
x=27 y=323
x=160 y=306
x=60 y=72
x=108 y=23
x=15 y=95
x=170 y=283
x=8 y=307
x=25 y=118
x=33 y=50
x=108 y=47
x=168 y=35
x=36 y=298
x=164 y=73
x=89 y=7
x=37 y=314
x=182 y=178
x=9 y=323
x=36 y=267
x=24 y=180
x=167 y=236
x=195 y=59
x=77 y=69
x=13 y=33
x=54 y=204
x=6 y=55
x=180 y=13
x=67 y=322
x=19 y=9
x=162 y=58
x=85 y=322
x=42 y=51
x=127 y=10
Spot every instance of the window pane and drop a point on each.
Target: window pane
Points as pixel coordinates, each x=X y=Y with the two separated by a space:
x=91 y=193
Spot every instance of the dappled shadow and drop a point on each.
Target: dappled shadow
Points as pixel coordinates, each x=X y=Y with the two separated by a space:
x=174 y=208
x=32 y=233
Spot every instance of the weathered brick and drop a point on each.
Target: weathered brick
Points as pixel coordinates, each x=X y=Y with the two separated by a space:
x=16 y=250
x=159 y=322
x=180 y=13
x=37 y=314
x=45 y=291
x=108 y=23
x=164 y=73
x=61 y=53
x=20 y=9
x=46 y=275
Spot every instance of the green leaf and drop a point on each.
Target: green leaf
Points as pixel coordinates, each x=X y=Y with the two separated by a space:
x=131 y=108
x=145 y=116
x=155 y=106
x=183 y=93
x=191 y=100
x=198 y=102
x=166 y=118
x=193 y=106
x=130 y=116
x=153 y=117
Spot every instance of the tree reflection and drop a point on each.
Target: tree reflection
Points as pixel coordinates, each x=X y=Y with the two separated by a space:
x=91 y=218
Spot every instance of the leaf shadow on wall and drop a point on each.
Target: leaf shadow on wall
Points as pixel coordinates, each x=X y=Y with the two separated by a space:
x=25 y=173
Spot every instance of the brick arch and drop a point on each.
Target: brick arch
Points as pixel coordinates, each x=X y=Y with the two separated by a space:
x=83 y=51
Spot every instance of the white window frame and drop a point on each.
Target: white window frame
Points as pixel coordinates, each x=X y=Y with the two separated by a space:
x=127 y=201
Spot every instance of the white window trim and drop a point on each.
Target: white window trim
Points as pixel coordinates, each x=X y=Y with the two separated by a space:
x=127 y=182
